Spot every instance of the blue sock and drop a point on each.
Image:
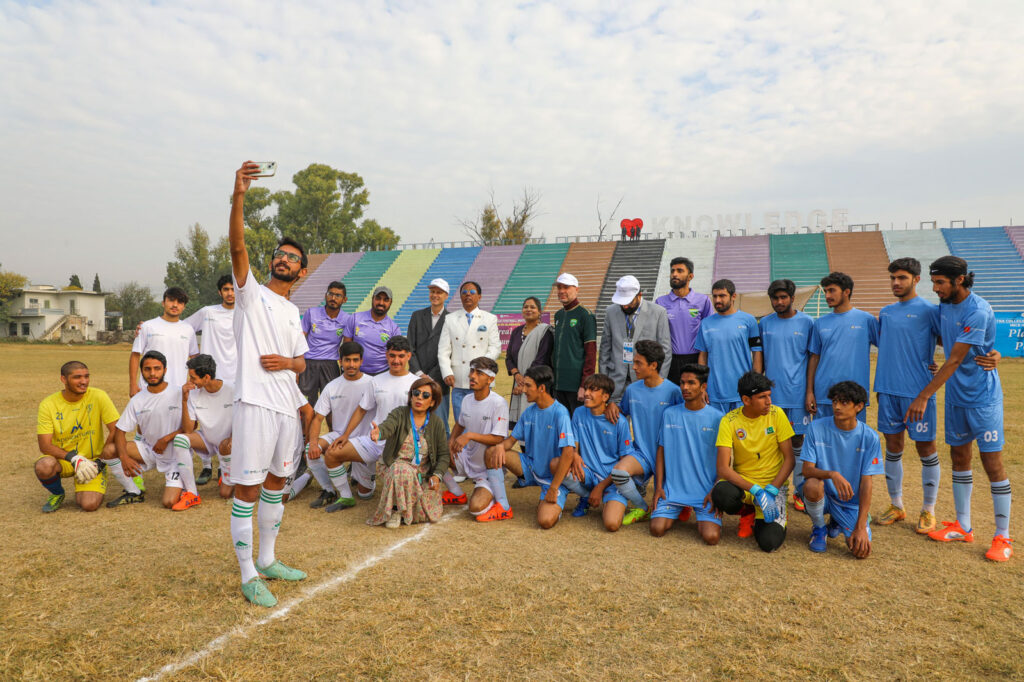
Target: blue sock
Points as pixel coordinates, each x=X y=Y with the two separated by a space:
x=574 y=486
x=963 y=484
x=894 y=477
x=816 y=510
x=931 y=473
x=53 y=484
x=627 y=488
x=496 y=477
x=798 y=470
x=1001 y=504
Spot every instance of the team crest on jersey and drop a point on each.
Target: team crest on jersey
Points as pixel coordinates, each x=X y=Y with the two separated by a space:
x=339 y=331
x=314 y=327
x=770 y=430
x=694 y=312
x=741 y=434
x=384 y=337
x=572 y=322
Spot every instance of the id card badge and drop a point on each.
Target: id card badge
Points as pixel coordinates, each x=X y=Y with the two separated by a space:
x=627 y=351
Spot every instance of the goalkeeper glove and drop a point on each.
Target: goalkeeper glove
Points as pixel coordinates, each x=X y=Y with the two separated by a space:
x=765 y=498
x=85 y=468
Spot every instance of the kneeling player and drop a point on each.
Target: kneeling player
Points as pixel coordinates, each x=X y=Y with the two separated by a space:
x=755 y=458
x=69 y=432
x=483 y=422
x=685 y=471
x=156 y=414
x=546 y=431
x=206 y=419
x=840 y=456
x=601 y=444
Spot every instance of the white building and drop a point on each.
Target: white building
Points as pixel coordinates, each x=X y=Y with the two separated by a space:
x=45 y=313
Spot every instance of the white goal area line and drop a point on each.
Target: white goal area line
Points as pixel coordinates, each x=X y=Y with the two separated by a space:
x=284 y=609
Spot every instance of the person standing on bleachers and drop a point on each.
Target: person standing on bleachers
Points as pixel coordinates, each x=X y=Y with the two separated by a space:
x=685 y=309
x=575 y=352
x=627 y=320
x=425 y=327
x=467 y=335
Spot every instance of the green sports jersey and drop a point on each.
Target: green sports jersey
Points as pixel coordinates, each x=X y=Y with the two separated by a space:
x=573 y=329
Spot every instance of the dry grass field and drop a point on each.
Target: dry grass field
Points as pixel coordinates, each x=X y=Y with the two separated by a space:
x=120 y=594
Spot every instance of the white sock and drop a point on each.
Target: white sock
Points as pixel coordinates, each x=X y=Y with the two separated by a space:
x=298 y=485
x=183 y=462
x=449 y=480
x=117 y=471
x=484 y=510
x=207 y=459
x=339 y=477
x=319 y=470
x=816 y=510
x=268 y=518
x=241 y=536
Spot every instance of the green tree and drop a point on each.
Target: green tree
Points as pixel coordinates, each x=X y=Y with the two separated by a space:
x=74 y=283
x=135 y=303
x=196 y=267
x=11 y=284
x=515 y=228
x=96 y=284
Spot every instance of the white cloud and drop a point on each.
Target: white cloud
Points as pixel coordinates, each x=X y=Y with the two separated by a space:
x=123 y=122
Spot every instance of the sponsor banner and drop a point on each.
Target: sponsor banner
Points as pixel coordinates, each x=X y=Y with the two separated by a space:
x=1010 y=334
x=509 y=321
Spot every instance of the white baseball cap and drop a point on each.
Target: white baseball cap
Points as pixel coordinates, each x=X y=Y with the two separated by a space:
x=626 y=290
x=568 y=280
x=440 y=284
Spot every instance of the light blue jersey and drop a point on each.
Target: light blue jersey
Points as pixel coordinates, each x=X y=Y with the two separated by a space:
x=688 y=437
x=971 y=321
x=544 y=432
x=786 y=343
x=906 y=346
x=601 y=443
x=727 y=341
x=853 y=454
x=644 y=406
x=843 y=343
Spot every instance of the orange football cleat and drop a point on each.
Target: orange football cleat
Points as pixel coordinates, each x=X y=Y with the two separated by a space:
x=1001 y=550
x=746 y=528
x=186 y=500
x=495 y=513
x=952 y=532
x=449 y=498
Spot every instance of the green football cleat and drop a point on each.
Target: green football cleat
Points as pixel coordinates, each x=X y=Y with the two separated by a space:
x=204 y=476
x=342 y=503
x=127 y=498
x=634 y=515
x=140 y=482
x=278 y=571
x=257 y=592
x=53 y=503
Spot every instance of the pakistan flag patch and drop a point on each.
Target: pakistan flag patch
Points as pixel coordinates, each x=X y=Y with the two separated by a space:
x=770 y=430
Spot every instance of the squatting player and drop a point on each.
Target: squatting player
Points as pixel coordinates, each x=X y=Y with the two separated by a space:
x=69 y=432
x=265 y=425
x=207 y=408
x=974 y=403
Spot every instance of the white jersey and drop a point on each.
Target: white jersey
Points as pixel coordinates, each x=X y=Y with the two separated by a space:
x=176 y=340
x=213 y=412
x=488 y=417
x=266 y=324
x=340 y=398
x=216 y=324
x=388 y=393
x=154 y=415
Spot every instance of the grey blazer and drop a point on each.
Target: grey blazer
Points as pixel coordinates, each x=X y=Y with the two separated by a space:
x=424 y=344
x=651 y=323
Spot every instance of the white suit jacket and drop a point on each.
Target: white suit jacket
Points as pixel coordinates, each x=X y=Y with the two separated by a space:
x=462 y=340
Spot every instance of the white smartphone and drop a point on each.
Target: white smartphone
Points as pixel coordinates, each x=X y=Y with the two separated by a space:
x=266 y=169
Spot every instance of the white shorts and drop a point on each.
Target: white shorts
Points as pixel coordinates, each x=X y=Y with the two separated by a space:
x=166 y=464
x=223 y=461
x=263 y=441
x=330 y=437
x=474 y=468
x=368 y=450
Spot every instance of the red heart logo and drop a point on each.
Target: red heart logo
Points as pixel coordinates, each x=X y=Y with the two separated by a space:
x=638 y=222
x=626 y=223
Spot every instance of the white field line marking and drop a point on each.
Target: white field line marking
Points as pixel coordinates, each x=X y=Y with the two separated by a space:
x=285 y=609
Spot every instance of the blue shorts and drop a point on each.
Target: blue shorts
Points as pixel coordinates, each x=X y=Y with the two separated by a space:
x=892 y=409
x=671 y=510
x=726 y=407
x=844 y=514
x=526 y=461
x=799 y=418
x=590 y=481
x=982 y=424
x=647 y=464
x=825 y=410
x=563 y=493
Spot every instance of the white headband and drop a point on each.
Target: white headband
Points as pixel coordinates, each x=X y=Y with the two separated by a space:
x=483 y=370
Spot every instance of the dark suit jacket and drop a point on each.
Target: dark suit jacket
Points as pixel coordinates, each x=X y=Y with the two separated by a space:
x=424 y=344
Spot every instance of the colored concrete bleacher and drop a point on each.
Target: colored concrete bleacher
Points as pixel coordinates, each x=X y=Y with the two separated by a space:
x=744 y=260
x=925 y=246
x=323 y=269
x=1016 y=235
x=402 y=276
x=364 y=275
x=533 y=275
x=701 y=250
x=862 y=256
x=996 y=262
x=491 y=270
x=803 y=259
x=637 y=258
x=588 y=261
x=450 y=265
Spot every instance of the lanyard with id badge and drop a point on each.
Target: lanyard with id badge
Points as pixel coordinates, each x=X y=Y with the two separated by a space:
x=627 y=344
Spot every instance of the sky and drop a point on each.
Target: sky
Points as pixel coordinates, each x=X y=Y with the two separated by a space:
x=123 y=122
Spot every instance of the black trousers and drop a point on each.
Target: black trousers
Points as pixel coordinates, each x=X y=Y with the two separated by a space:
x=568 y=398
x=676 y=368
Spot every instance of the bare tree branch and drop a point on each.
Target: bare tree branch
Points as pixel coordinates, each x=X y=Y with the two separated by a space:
x=602 y=224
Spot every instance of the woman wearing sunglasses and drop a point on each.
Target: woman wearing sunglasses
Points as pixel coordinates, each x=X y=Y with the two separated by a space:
x=415 y=458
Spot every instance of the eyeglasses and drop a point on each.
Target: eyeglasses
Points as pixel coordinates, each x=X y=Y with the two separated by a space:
x=329 y=295
x=417 y=393
x=291 y=257
x=469 y=292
